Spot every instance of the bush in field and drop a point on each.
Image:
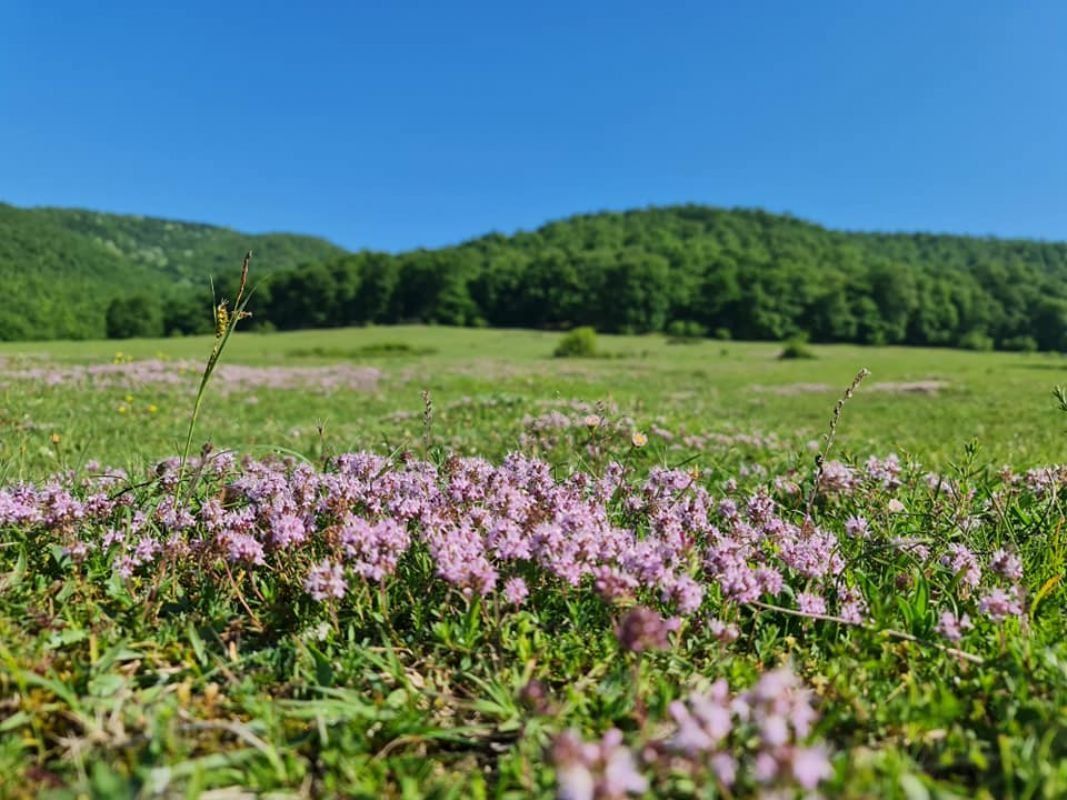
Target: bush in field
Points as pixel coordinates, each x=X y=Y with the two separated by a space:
x=977 y=341
x=796 y=348
x=684 y=330
x=1020 y=344
x=579 y=343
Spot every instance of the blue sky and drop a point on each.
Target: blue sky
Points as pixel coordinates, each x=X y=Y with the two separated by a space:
x=397 y=124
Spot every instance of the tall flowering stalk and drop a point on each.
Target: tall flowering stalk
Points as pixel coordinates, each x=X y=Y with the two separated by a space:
x=225 y=323
x=835 y=418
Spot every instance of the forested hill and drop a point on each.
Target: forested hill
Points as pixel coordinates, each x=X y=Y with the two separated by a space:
x=61 y=268
x=743 y=274
x=690 y=269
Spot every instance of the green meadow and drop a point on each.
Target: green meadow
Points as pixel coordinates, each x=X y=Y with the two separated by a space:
x=683 y=586
x=929 y=403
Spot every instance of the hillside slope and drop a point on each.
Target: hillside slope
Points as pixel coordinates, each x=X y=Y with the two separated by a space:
x=61 y=268
x=741 y=273
x=683 y=269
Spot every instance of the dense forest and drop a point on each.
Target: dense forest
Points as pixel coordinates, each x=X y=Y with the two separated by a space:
x=689 y=270
x=705 y=271
x=62 y=270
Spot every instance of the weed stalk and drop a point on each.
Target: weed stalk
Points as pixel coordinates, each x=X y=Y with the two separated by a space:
x=225 y=323
x=835 y=418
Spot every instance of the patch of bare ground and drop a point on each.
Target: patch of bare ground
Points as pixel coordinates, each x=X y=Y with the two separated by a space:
x=928 y=387
x=791 y=389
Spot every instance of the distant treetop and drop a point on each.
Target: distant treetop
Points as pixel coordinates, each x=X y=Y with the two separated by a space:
x=745 y=274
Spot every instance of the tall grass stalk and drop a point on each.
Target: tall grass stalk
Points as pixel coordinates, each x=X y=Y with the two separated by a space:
x=225 y=323
x=835 y=418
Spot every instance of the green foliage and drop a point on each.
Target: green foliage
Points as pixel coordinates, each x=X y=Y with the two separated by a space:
x=1020 y=344
x=133 y=317
x=680 y=330
x=187 y=313
x=579 y=343
x=796 y=348
x=742 y=274
x=977 y=340
x=61 y=268
x=174 y=684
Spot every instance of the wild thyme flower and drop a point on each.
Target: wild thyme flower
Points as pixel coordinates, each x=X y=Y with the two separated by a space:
x=857 y=528
x=604 y=770
x=643 y=629
x=515 y=591
x=1007 y=565
x=326 y=581
x=999 y=604
x=811 y=603
x=726 y=633
x=952 y=627
x=964 y=565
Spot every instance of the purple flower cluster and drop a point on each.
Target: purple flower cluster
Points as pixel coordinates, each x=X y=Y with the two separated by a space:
x=952 y=626
x=778 y=708
x=643 y=629
x=603 y=770
x=326 y=581
x=753 y=553
x=508 y=530
x=1042 y=481
x=963 y=564
x=1003 y=600
x=755 y=737
x=838 y=478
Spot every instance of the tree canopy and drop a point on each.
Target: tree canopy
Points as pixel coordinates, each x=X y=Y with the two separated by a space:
x=62 y=269
x=739 y=273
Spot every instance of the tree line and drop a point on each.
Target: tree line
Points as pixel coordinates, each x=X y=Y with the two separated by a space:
x=66 y=272
x=724 y=273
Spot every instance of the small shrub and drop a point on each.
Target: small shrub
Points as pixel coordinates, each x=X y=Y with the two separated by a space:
x=684 y=331
x=723 y=334
x=579 y=343
x=1020 y=344
x=797 y=347
x=977 y=341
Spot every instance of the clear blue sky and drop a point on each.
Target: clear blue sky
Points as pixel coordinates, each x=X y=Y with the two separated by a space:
x=397 y=124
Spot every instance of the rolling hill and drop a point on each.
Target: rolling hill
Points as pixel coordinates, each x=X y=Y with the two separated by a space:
x=695 y=270
x=689 y=269
x=61 y=268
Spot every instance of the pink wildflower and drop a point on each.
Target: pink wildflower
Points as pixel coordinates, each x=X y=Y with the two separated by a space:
x=326 y=580
x=515 y=591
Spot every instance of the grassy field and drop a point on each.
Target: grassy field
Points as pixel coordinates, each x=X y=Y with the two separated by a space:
x=929 y=403
x=662 y=596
